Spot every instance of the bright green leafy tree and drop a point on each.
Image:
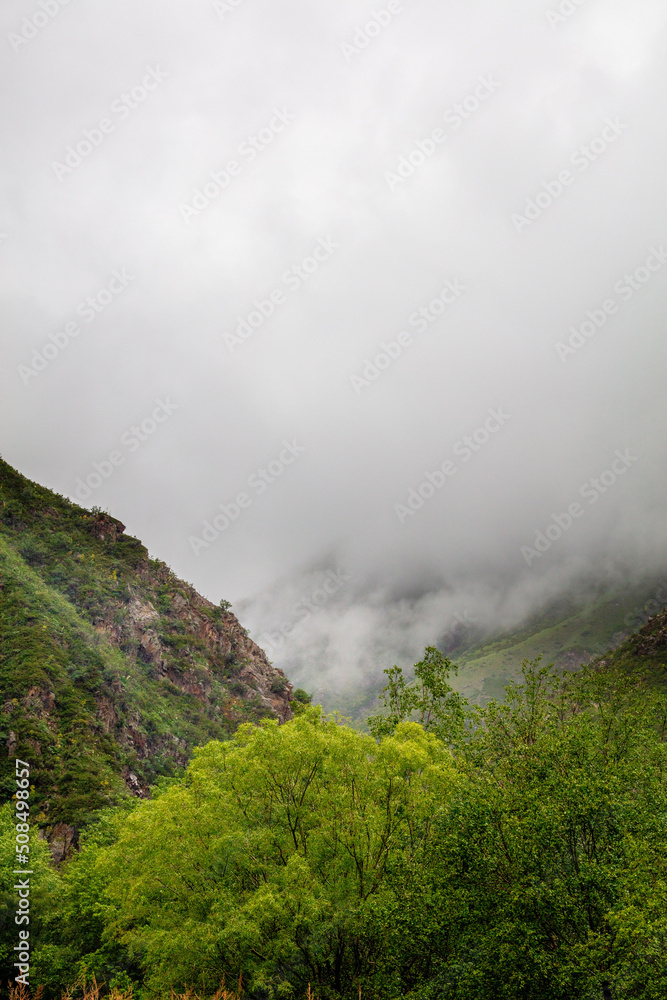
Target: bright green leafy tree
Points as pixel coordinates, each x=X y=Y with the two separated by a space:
x=517 y=852
x=272 y=859
x=430 y=698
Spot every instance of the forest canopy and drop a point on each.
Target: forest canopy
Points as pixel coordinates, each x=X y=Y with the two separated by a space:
x=512 y=851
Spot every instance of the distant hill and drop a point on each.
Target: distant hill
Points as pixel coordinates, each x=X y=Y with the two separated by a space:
x=643 y=652
x=111 y=668
x=567 y=632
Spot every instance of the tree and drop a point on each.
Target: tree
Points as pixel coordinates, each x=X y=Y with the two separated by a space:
x=272 y=859
x=550 y=854
x=526 y=860
x=43 y=884
x=78 y=939
x=438 y=707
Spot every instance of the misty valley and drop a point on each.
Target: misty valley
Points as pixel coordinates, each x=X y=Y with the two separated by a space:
x=333 y=534
x=179 y=820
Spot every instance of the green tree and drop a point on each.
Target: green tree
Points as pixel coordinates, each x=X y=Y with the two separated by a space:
x=437 y=706
x=527 y=860
x=78 y=939
x=272 y=859
x=43 y=887
x=552 y=853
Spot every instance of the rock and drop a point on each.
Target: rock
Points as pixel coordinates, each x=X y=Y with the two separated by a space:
x=62 y=840
x=140 y=612
x=105 y=527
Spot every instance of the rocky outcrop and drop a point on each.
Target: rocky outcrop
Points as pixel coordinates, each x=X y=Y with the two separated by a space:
x=158 y=621
x=215 y=634
x=653 y=636
x=105 y=527
x=63 y=839
x=195 y=647
x=114 y=669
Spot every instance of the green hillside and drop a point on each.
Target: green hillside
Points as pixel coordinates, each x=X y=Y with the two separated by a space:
x=111 y=669
x=644 y=652
x=479 y=842
x=566 y=633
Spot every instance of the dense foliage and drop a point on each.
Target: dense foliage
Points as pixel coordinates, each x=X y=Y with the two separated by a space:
x=515 y=851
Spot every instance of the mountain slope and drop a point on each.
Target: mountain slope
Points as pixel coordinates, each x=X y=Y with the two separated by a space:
x=643 y=652
x=567 y=633
x=111 y=668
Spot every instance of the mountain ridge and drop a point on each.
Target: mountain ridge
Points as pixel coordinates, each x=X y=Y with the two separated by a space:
x=112 y=669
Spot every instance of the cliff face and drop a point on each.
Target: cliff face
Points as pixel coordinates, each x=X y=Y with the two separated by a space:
x=111 y=668
x=225 y=642
x=188 y=641
x=651 y=640
x=178 y=638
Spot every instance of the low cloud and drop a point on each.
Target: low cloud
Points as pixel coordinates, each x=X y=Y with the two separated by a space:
x=486 y=181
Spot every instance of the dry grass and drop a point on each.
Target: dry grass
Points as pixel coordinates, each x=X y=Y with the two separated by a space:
x=84 y=990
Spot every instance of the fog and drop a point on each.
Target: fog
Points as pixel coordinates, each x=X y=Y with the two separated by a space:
x=359 y=304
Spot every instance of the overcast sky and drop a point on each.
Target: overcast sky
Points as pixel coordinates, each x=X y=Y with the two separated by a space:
x=352 y=311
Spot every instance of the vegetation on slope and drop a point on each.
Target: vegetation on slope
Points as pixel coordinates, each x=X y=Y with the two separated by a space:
x=510 y=852
x=111 y=669
x=567 y=633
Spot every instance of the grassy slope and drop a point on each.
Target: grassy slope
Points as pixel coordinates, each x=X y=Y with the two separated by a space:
x=566 y=633
x=78 y=705
x=567 y=636
x=645 y=651
x=46 y=647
